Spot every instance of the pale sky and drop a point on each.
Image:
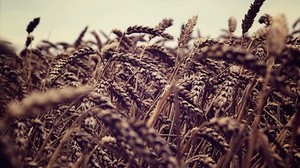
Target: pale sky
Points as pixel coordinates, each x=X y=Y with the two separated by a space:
x=63 y=20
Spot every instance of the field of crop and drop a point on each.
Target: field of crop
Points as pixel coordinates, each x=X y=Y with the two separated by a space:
x=128 y=99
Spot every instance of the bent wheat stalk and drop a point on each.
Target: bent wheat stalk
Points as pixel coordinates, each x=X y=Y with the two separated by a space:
x=160 y=104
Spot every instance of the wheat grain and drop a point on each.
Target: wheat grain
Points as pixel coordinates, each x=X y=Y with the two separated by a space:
x=32 y=25
x=79 y=38
x=40 y=100
x=186 y=31
x=60 y=64
x=147 y=30
x=251 y=14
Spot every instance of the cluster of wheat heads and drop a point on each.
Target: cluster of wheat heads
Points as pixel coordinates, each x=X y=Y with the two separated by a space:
x=130 y=100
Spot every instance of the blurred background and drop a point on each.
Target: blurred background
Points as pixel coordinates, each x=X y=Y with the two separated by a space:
x=64 y=20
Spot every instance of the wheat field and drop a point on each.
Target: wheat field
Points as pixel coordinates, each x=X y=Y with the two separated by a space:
x=128 y=99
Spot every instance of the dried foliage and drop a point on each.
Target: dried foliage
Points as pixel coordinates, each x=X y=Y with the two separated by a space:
x=128 y=100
